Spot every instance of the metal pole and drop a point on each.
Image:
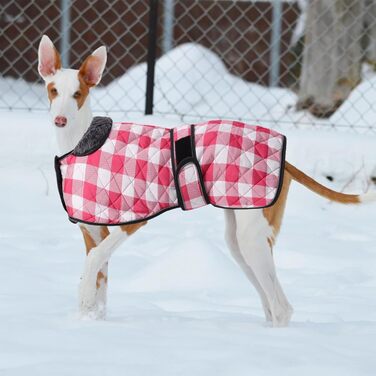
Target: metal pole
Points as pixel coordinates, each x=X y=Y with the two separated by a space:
x=275 y=43
x=65 y=32
x=168 y=25
x=151 y=56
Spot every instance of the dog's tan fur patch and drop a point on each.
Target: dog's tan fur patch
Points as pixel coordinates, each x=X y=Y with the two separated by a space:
x=131 y=229
x=104 y=232
x=84 y=71
x=51 y=91
x=58 y=64
x=100 y=276
x=274 y=214
x=82 y=93
x=89 y=242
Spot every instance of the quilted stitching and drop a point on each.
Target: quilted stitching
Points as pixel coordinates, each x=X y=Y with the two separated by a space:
x=190 y=187
x=218 y=192
x=130 y=177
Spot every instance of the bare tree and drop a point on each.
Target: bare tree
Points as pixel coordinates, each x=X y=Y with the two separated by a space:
x=332 y=54
x=370 y=32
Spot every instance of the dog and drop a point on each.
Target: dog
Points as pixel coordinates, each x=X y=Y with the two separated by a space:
x=250 y=234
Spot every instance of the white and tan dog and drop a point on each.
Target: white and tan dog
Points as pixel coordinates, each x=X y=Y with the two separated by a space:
x=250 y=234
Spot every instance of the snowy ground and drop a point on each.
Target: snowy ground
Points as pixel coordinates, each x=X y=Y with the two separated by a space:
x=178 y=304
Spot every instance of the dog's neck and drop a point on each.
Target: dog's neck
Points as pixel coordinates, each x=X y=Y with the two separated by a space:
x=68 y=137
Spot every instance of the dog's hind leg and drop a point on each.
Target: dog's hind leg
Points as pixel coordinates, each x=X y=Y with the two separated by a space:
x=232 y=242
x=253 y=233
x=96 y=259
x=256 y=232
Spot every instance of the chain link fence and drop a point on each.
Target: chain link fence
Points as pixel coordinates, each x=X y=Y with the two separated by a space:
x=297 y=63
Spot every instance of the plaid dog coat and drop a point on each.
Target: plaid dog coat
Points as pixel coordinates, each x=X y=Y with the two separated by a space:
x=122 y=173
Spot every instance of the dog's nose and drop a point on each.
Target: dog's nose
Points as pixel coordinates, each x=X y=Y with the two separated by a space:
x=60 y=121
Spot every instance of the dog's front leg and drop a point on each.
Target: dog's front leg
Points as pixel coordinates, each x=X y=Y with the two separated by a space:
x=96 y=260
x=93 y=236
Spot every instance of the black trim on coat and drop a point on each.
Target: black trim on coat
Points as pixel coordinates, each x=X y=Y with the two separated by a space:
x=176 y=182
x=59 y=181
x=75 y=220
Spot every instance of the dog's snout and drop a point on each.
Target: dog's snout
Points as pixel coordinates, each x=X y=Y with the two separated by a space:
x=60 y=121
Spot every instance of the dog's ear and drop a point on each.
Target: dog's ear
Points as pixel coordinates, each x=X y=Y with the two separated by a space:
x=92 y=68
x=49 y=61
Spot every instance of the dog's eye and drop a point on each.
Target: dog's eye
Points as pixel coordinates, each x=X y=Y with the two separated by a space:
x=330 y=177
x=76 y=95
x=53 y=91
x=373 y=179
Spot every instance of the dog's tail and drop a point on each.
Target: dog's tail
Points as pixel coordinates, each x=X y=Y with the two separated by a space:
x=313 y=185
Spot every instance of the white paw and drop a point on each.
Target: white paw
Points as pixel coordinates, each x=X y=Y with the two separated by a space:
x=89 y=305
x=282 y=316
x=268 y=314
x=96 y=312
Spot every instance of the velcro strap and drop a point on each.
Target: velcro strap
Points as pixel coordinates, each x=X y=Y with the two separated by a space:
x=187 y=173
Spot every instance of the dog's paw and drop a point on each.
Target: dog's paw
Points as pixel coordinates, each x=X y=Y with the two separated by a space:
x=89 y=304
x=96 y=312
x=282 y=316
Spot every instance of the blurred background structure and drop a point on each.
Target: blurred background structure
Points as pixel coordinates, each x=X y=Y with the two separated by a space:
x=294 y=62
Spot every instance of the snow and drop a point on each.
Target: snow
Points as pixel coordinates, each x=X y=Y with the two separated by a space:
x=178 y=303
x=191 y=79
x=358 y=108
x=192 y=82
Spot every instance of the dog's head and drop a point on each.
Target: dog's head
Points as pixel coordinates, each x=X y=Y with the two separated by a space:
x=68 y=89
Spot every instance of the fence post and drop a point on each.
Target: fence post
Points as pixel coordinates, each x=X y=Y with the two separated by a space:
x=168 y=25
x=151 y=56
x=65 y=32
x=275 y=43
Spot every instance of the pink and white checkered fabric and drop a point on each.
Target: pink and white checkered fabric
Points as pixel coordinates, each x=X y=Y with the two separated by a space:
x=191 y=190
x=240 y=163
x=133 y=175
